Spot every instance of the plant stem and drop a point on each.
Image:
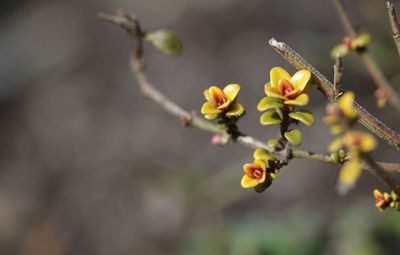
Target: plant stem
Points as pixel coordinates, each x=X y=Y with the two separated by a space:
x=394 y=24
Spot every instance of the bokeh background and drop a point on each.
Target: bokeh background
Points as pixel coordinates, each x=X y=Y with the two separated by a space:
x=89 y=166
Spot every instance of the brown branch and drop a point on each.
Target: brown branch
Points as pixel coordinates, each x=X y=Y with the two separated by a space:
x=394 y=24
x=328 y=89
x=127 y=22
x=372 y=68
x=337 y=77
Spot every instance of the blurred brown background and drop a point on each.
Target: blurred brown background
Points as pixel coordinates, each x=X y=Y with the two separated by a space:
x=89 y=166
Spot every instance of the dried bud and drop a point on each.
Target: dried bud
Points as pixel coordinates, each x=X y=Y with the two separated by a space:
x=166 y=42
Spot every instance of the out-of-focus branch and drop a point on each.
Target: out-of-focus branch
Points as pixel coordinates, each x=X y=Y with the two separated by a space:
x=373 y=69
x=328 y=89
x=132 y=27
x=394 y=24
x=380 y=172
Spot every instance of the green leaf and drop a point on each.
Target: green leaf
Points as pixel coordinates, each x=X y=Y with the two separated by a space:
x=262 y=155
x=273 y=142
x=269 y=103
x=303 y=116
x=270 y=118
x=300 y=100
x=294 y=137
x=166 y=42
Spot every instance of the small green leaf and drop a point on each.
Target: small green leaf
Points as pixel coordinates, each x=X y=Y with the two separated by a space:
x=303 y=116
x=273 y=142
x=270 y=118
x=166 y=42
x=263 y=186
x=268 y=103
x=262 y=155
x=279 y=112
x=294 y=137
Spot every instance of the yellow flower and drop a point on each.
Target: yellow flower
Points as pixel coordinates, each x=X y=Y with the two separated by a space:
x=254 y=174
x=288 y=88
x=349 y=174
x=347 y=45
x=221 y=101
x=346 y=105
x=386 y=200
x=336 y=112
x=359 y=141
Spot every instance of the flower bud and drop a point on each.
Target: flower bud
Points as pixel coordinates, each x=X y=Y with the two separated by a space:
x=166 y=42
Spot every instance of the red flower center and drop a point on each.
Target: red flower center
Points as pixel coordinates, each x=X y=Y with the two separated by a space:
x=347 y=42
x=258 y=173
x=285 y=88
x=379 y=199
x=220 y=101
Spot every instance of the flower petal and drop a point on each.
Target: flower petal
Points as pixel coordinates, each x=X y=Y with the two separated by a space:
x=270 y=118
x=231 y=91
x=336 y=144
x=303 y=116
x=211 y=116
x=272 y=92
x=209 y=108
x=216 y=95
x=248 y=182
x=262 y=154
x=301 y=100
x=276 y=74
x=235 y=110
x=268 y=103
x=349 y=174
x=339 y=50
x=207 y=95
x=300 y=79
x=260 y=163
x=346 y=105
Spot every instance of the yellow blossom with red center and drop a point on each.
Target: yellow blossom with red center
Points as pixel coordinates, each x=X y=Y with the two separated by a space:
x=222 y=102
x=348 y=44
x=288 y=88
x=254 y=174
x=385 y=200
x=343 y=109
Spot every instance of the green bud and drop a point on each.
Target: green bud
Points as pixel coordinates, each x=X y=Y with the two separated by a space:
x=166 y=42
x=335 y=157
x=342 y=154
x=263 y=186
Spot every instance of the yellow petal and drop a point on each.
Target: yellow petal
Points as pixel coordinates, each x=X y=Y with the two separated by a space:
x=248 y=182
x=211 y=116
x=206 y=94
x=361 y=41
x=276 y=74
x=216 y=94
x=272 y=92
x=231 y=91
x=301 y=100
x=346 y=105
x=209 y=108
x=300 y=79
x=339 y=50
x=260 y=163
x=377 y=194
x=349 y=174
x=235 y=110
x=336 y=144
x=368 y=143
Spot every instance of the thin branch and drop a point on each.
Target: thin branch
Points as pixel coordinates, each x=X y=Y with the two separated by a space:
x=125 y=21
x=372 y=68
x=379 y=171
x=394 y=24
x=327 y=88
x=337 y=77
